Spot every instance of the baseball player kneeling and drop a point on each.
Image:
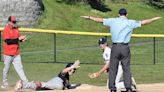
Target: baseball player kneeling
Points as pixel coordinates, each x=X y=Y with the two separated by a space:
x=106 y=56
x=59 y=82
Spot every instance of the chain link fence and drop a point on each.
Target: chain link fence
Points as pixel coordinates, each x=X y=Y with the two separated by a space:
x=62 y=48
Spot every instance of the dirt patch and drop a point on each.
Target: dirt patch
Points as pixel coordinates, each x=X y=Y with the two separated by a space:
x=157 y=87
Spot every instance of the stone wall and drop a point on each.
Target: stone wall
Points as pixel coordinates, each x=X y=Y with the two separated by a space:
x=26 y=11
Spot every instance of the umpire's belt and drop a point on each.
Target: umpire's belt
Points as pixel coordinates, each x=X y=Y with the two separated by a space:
x=120 y=43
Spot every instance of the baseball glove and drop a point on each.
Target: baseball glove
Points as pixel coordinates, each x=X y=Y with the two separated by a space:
x=94 y=75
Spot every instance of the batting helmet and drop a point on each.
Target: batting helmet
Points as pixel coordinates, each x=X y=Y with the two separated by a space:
x=102 y=40
x=69 y=65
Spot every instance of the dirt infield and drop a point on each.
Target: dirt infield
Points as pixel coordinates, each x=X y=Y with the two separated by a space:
x=157 y=87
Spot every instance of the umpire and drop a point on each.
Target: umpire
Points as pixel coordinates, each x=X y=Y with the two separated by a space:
x=121 y=29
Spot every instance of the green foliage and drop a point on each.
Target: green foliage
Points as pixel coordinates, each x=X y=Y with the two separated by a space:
x=157 y=3
x=79 y=1
x=72 y=1
x=95 y=4
x=67 y=17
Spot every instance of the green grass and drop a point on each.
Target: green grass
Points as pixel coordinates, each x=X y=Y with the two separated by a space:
x=39 y=47
x=44 y=72
x=67 y=17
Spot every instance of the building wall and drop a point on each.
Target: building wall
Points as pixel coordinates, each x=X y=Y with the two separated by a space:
x=26 y=11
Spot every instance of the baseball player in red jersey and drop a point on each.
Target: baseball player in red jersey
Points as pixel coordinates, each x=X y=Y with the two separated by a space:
x=11 y=39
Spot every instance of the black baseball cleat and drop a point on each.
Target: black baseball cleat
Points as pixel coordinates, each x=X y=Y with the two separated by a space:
x=129 y=90
x=112 y=90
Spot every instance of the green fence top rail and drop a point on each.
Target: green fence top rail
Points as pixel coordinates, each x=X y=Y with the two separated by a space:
x=84 y=33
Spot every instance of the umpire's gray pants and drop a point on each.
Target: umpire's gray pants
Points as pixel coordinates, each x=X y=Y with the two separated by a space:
x=16 y=61
x=120 y=52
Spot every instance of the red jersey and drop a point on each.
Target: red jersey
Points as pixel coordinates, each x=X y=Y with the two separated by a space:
x=10 y=33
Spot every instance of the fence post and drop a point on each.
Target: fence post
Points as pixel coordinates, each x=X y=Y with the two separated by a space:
x=0 y=47
x=54 y=47
x=154 y=50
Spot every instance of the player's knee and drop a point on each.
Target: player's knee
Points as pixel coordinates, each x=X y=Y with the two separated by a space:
x=60 y=87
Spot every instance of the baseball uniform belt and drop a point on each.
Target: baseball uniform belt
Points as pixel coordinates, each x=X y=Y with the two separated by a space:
x=120 y=43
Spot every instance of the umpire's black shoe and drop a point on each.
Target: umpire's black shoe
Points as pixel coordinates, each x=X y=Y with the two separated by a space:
x=129 y=90
x=112 y=90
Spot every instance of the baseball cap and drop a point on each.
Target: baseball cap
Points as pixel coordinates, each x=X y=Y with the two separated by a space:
x=102 y=40
x=122 y=11
x=13 y=18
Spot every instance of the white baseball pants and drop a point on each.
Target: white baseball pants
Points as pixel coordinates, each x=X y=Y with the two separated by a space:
x=16 y=61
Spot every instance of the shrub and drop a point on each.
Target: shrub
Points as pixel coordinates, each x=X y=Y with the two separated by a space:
x=157 y=3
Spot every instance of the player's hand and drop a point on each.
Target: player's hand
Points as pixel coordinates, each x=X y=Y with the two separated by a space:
x=156 y=18
x=94 y=75
x=76 y=64
x=22 y=38
x=86 y=17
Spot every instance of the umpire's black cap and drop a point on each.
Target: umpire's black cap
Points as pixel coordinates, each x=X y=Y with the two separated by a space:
x=122 y=11
x=102 y=40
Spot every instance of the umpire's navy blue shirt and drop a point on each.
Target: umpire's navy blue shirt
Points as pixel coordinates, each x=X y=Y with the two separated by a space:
x=121 y=28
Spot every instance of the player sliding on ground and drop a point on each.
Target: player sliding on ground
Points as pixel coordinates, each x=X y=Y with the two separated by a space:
x=106 y=56
x=59 y=82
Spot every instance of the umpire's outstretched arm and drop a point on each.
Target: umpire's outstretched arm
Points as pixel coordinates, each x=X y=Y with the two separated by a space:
x=100 y=20
x=148 y=21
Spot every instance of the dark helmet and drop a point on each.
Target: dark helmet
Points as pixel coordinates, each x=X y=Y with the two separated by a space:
x=69 y=65
x=102 y=40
